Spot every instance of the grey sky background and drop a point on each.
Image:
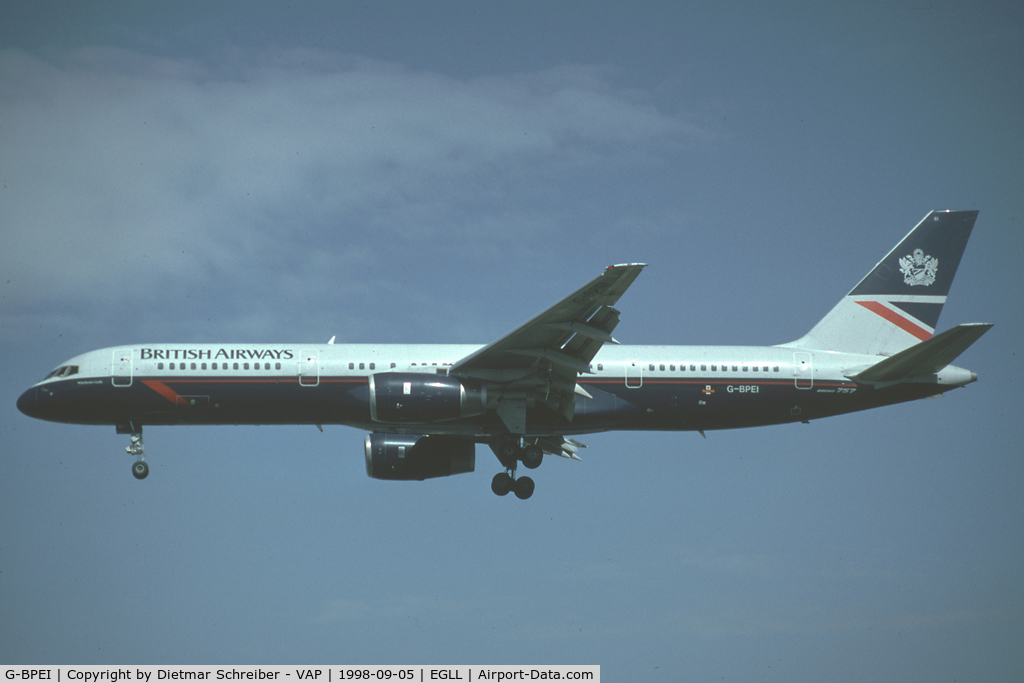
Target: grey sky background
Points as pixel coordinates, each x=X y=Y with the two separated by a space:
x=414 y=172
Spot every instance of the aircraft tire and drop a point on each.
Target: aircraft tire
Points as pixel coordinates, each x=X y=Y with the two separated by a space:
x=501 y=484
x=524 y=488
x=533 y=456
x=140 y=469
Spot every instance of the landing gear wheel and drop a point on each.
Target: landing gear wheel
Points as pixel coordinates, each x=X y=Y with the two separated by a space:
x=141 y=470
x=502 y=484
x=523 y=488
x=532 y=457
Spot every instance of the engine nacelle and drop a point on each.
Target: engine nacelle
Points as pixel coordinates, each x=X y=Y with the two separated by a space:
x=409 y=456
x=419 y=398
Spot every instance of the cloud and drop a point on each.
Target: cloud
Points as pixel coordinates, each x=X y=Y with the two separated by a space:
x=127 y=177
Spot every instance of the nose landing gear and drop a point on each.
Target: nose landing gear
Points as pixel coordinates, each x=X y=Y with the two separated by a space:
x=140 y=469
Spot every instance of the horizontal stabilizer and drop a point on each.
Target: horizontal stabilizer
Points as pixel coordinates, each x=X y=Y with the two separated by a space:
x=925 y=358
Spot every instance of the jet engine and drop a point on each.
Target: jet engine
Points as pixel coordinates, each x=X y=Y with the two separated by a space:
x=417 y=398
x=409 y=456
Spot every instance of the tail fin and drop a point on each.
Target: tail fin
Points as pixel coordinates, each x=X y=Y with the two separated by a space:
x=898 y=304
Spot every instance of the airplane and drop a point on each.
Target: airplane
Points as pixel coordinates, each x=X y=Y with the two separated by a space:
x=557 y=376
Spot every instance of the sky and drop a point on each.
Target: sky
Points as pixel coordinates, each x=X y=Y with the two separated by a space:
x=442 y=172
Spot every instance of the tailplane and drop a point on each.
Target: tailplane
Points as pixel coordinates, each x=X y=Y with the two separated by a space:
x=929 y=357
x=897 y=305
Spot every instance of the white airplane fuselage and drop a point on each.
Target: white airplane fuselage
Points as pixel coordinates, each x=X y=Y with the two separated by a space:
x=631 y=387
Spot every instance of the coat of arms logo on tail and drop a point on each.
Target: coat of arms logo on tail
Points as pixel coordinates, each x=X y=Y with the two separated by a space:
x=919 y=269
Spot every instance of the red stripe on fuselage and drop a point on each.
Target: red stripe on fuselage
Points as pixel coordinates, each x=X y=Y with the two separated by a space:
x=162 y=389
x=896 y=319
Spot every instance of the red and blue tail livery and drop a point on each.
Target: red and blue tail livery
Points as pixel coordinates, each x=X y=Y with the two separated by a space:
x=558 y=376
x=899 y=302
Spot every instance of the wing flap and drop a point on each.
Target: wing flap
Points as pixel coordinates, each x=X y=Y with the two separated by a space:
x=560 y=446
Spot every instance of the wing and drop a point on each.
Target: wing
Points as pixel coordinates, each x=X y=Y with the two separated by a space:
x=538 y=362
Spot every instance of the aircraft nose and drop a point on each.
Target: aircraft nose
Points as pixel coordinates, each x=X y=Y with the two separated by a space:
x=28 y=402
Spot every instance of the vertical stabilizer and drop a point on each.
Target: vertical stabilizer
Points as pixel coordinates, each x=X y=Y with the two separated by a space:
x=898 y=303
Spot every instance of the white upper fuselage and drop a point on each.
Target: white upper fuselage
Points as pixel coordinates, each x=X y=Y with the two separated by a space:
x=360 y=360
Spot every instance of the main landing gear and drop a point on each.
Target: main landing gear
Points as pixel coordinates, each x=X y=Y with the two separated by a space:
x=510 y=454
x=140 y=469
x=504 y=482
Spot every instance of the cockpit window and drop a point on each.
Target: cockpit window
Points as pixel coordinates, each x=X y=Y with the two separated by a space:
x=63 y=371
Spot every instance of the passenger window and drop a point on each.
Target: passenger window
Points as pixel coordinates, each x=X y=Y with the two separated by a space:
x=703 y=368
x=245 y=366
x=755 y=368
x=362 y=366
x=651 y=367
x=766 y=368
x=714 y=368
x=351 y=366
x=204 y=366
x=744 y=368
x=392 y=365
x=193 y=366
x=661 y=367
x=235 y=366
x=600 y=367
x=373 y=366
x=277 y=366
x=159 y=366
x=775 y=369
x=734 y=368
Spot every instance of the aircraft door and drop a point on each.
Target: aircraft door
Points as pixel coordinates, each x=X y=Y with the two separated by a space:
x=803 y=370
x=121 y=368
x=634 y=374
x=309 y=368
